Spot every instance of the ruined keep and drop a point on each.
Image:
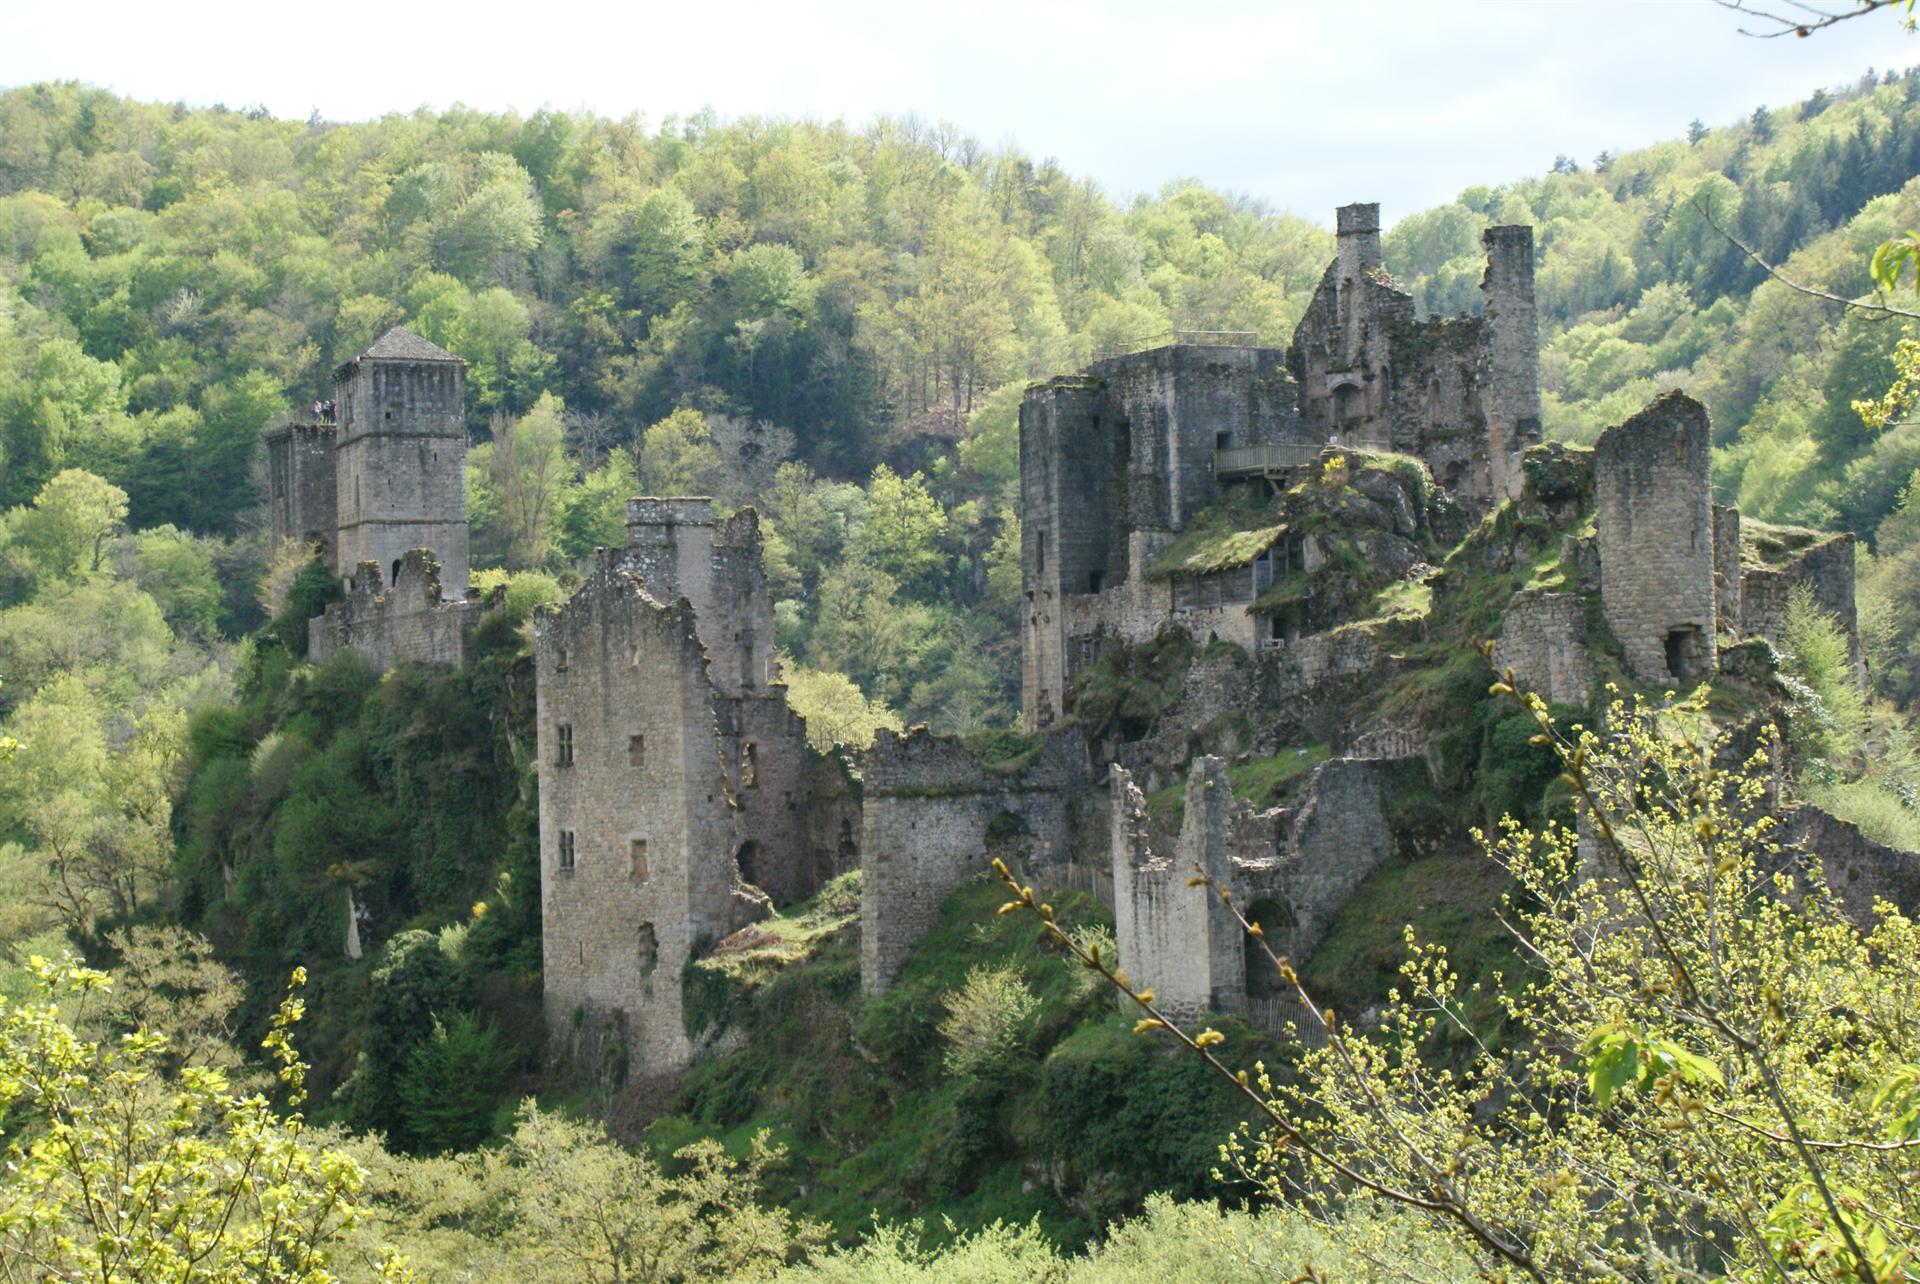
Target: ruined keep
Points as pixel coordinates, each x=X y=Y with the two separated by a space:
x=678 y=795
x=382 y=492
x=1117 y=460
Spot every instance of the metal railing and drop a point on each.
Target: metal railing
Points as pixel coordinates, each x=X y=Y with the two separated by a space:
x=1187 y=338
x=1264 y=461
x=1275 y=1012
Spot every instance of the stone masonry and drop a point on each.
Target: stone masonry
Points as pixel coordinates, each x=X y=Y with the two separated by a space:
x=678 y=796
x=932 y=815
x=1116 y=460
x=383 y=493
x=1654 y=517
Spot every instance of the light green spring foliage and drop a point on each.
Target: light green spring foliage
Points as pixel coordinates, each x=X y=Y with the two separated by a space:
x=1855 y=755
x=120 y=1174
x=985 y=1019
x=1688 y=1007
x=560 y=1200
x=835 y=711
x=1193 y=1243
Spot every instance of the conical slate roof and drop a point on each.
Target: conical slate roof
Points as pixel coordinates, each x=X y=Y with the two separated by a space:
x=402 y=344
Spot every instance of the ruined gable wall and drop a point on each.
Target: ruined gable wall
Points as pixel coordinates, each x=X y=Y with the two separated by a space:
x=409 y=622
x=301 y=483
x=1338 y=836
x=1543 y=639
x=1176 y=939
x=400 y=466
x=612 y=665
x=927 y=809
x=1654 y=520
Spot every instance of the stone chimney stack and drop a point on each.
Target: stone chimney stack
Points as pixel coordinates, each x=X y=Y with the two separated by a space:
x=1357 y=233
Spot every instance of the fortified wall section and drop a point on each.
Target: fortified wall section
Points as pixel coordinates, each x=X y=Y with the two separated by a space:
x=1543 y=639
x=1289 y=869
x=932 y=815
x=410 y=621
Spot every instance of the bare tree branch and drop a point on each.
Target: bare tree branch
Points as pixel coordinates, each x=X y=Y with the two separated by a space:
x=1881 y=309
x=1801 y=19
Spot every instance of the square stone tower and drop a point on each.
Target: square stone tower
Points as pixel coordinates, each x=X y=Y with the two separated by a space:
x=300 y=483
x=400 y=458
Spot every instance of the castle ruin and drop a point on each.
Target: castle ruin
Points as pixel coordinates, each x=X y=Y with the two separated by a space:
x=381 y=491
x=680 y=800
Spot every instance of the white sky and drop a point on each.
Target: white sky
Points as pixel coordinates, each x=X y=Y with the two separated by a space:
x=1306 y=106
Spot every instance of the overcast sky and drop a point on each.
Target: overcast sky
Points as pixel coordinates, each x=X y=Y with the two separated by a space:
x=1306 y=106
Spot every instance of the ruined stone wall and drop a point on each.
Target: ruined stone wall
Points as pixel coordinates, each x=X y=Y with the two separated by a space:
x=928 y=810
x=1858 y=869
x=1176 y=939
x=1334 y=839
x=1461 y=393
x=1826 y=568
x=410 y=621
x=401 y=465
x=1654 y=522
x=1543 y=639
x=679 y=549
x=637 y=833
x=771 y=779
x=1728 y=604
x=300 y=484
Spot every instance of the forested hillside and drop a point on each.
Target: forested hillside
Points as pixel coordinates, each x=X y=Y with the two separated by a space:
x=834 y=324
x=697 y=305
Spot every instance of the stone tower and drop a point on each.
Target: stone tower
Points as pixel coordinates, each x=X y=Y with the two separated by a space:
x=400 y=458
x=1655 y=528
x=1512 y=388
x=300 y=483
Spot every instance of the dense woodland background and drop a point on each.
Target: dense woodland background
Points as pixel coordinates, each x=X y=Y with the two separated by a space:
x=833 y=323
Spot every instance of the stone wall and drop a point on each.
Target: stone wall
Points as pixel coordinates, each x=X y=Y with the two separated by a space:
x=930 y=814
x=412 y=621
x=1290 y=869
x=1654 y=522
x=679 y=549
x=637 y=835
x=1728 y=609
x=1176 y=939
x=1858 y=869
x=1511 y=378
x=1543 y=640
x=400 y=466
x=300 y=484
x=1826 y=568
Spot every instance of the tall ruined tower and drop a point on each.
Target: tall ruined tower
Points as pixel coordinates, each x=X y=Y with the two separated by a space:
x=1512 y=389
x=400 y=458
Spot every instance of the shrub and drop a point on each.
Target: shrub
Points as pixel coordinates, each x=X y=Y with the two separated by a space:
x=985 y=1017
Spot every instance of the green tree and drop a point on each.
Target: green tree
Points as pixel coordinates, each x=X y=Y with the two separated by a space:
x=677 y=456
x=116 y=1175
x=452 y=1082
x=906 y=529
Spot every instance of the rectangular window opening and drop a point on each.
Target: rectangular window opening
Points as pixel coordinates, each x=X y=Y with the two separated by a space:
x=749 y=766
x=636 y=751
x=563 y=745
x=565 y=858
x=637 y=853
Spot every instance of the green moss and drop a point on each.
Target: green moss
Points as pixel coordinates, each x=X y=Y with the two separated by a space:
x=1229 y=533
x=1264 y=782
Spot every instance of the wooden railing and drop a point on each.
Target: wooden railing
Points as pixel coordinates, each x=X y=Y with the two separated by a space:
x=1263 y=461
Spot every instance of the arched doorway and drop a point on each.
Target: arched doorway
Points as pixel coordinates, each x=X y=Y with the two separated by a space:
x=1276 y=929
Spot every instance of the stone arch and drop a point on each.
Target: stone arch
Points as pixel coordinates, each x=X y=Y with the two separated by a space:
x=396 y=573
x=1276 y=929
